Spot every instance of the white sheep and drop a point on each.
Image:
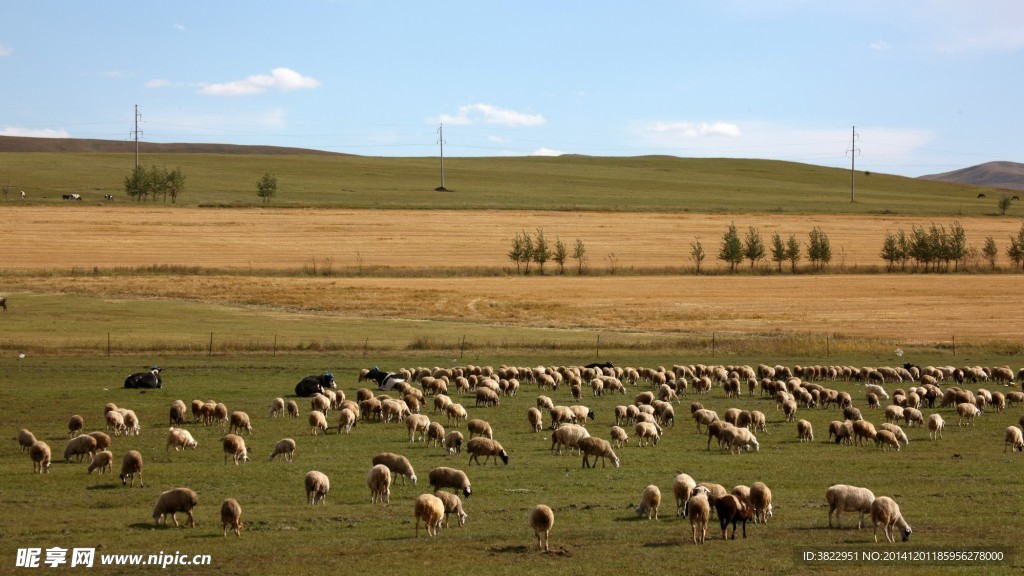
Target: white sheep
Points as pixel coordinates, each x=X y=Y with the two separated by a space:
x=647 y=433
x=844 y=498
x=885 y=439
x=115 y=422
x=430 y=509
x=320 y=403
x=317 y=487
x=535 y=418
x=80 y=446
x=804 y=431
x=346 y=420
x=568 y=435
x=398 y=464
x=444 y=477
x=885 y=511
x=877 y=390
x=180 y=439
x=561 y=415
x=317 y=421
x=102 y=461
x=26 y=439
x=177 y=412
x=417 y=425
x=452 y=505
x=175 y=500
x=761 y=499
x=40 y=454
x=913 y=416
x=435 y=433
x=935 y=426
x=650 y=501
x=284 y=446
x=102 y=440
x=598 y=448
x=682 y=488
x=131 y=466
x=698 y=510
x=75 y=426
x=293 y=409
x=231 y=516
x=703 y=416
x=234 y=446
x=1014 y=439
x=619 y=436
x=487 y=448
x=239 y=421
x=277 y=407
x=379 y=482
x=452 y=443
x=737 y=439
x=967 y=412
x=456 y=413
x=542 y=519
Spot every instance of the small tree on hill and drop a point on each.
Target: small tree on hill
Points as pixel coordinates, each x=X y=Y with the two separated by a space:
x=792 y=252
x=819 y=250
x=731 y=251
x=890 y=251
x=175 y=184
x=697 y=253
x=266 y=186
x=579 y=254
x=560 y=254
x=541 y=250
x=1016 y=248
x=527 y=254
x=515 y=254
x=990 y=251
x=778 y=250
x=753 y=246
x=1005 y=201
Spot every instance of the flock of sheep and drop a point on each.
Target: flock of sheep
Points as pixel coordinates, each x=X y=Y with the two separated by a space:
x=650 y=415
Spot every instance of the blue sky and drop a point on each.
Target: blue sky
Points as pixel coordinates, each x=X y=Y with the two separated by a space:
x=931 y=86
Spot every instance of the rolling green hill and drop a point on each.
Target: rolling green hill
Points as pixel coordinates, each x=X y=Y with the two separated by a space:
x=226 y=176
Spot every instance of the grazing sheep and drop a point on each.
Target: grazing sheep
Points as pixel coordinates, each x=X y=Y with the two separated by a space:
x=805 y=431
x=897 y=431
x=317 y=487
x=284 y=446
x=39 y=452
x=739 y=439
x=320 y=403
x=682 y=488
x=231 y=516
x=26 y=439
x=967 y=411
x=1014 y=439
x=430 y=509
x=75 y=425
x=650 y=501
x=479 y=427
x=277 y=407
x=346 y=420
x=542 y=519
x=535 y=418
x=417 y=425
x=80 y=446
x=175 y=500
x=893 y=413
x=731 y=509
x=398 y=465
x=176 y=414
x=568 y=435
x=935 y=426
x=885 y=511
x=789 y=408
x=647 y=432
x=220 y=414
x=234 y=446
x=545 y=402
x=102 y=440
x=293 y=409
x=379 y=482
x=703 y=416
x=619 y=436
x=698 y=510
x=876 y=390
x=239 y=422
x=452 y=505
x=435 y=433
x=196 y=409
x=913 y=416
x=885 y=439
x=598 y=448
x=317 y=421
x=456 y=413
x=581 y=414
x=131 y=466
x=863 y=431
x=844 y=498
x=761 y=499
x=487 y=448
x=561 y=415
x=758 y=421
x=180 y=439
x=452 y=443
x=115 y=422
x=102 y=461
x=444 y=477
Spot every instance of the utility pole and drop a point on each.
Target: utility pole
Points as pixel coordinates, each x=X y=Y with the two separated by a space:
x=853 y=155
x=136 y=133
x=440 y=140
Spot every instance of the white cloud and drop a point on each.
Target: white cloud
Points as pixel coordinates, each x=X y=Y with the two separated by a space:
x=158 y=83
x=546 y=152
x=691 y=130
x=116 y=74
x=880 y=45
x=33 y=132
x=180 y=27
x=283 y=79
x=5 y=51
x=488 y=114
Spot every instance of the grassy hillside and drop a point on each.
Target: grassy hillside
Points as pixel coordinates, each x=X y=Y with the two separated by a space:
x=659 y=184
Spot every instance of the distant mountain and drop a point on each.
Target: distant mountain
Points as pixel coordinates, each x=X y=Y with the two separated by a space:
x=1009 y=175
x=80 y=145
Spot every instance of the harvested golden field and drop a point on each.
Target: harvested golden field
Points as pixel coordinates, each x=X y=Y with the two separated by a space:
x=903 y=307
x=62 y=237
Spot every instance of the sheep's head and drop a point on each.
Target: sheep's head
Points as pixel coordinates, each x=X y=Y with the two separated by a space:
x=467 y=491
x=412 y=478
x=615 y=462
x=906 y=533
x=462 y=518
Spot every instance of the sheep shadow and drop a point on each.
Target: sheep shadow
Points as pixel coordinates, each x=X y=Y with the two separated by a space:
x=103 y=487
x=664 y=544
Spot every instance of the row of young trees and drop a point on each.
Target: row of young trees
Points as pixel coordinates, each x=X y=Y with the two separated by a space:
x=154 y=182
x=538 y=250
x=733 y=251
x=936 y=248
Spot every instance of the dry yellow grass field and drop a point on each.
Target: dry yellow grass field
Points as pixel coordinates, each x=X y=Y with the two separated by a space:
x=915 y=308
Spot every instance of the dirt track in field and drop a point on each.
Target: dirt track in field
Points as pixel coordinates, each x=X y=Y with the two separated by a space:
x=911 y=307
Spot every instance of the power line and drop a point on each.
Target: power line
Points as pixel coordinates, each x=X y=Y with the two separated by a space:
x=853 y=151
x=136 y=132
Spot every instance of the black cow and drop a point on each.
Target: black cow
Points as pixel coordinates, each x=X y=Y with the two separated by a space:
x=149 y=379
x=72 y=196
x=312 y=385
x=601 y=365
x=384 y=380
